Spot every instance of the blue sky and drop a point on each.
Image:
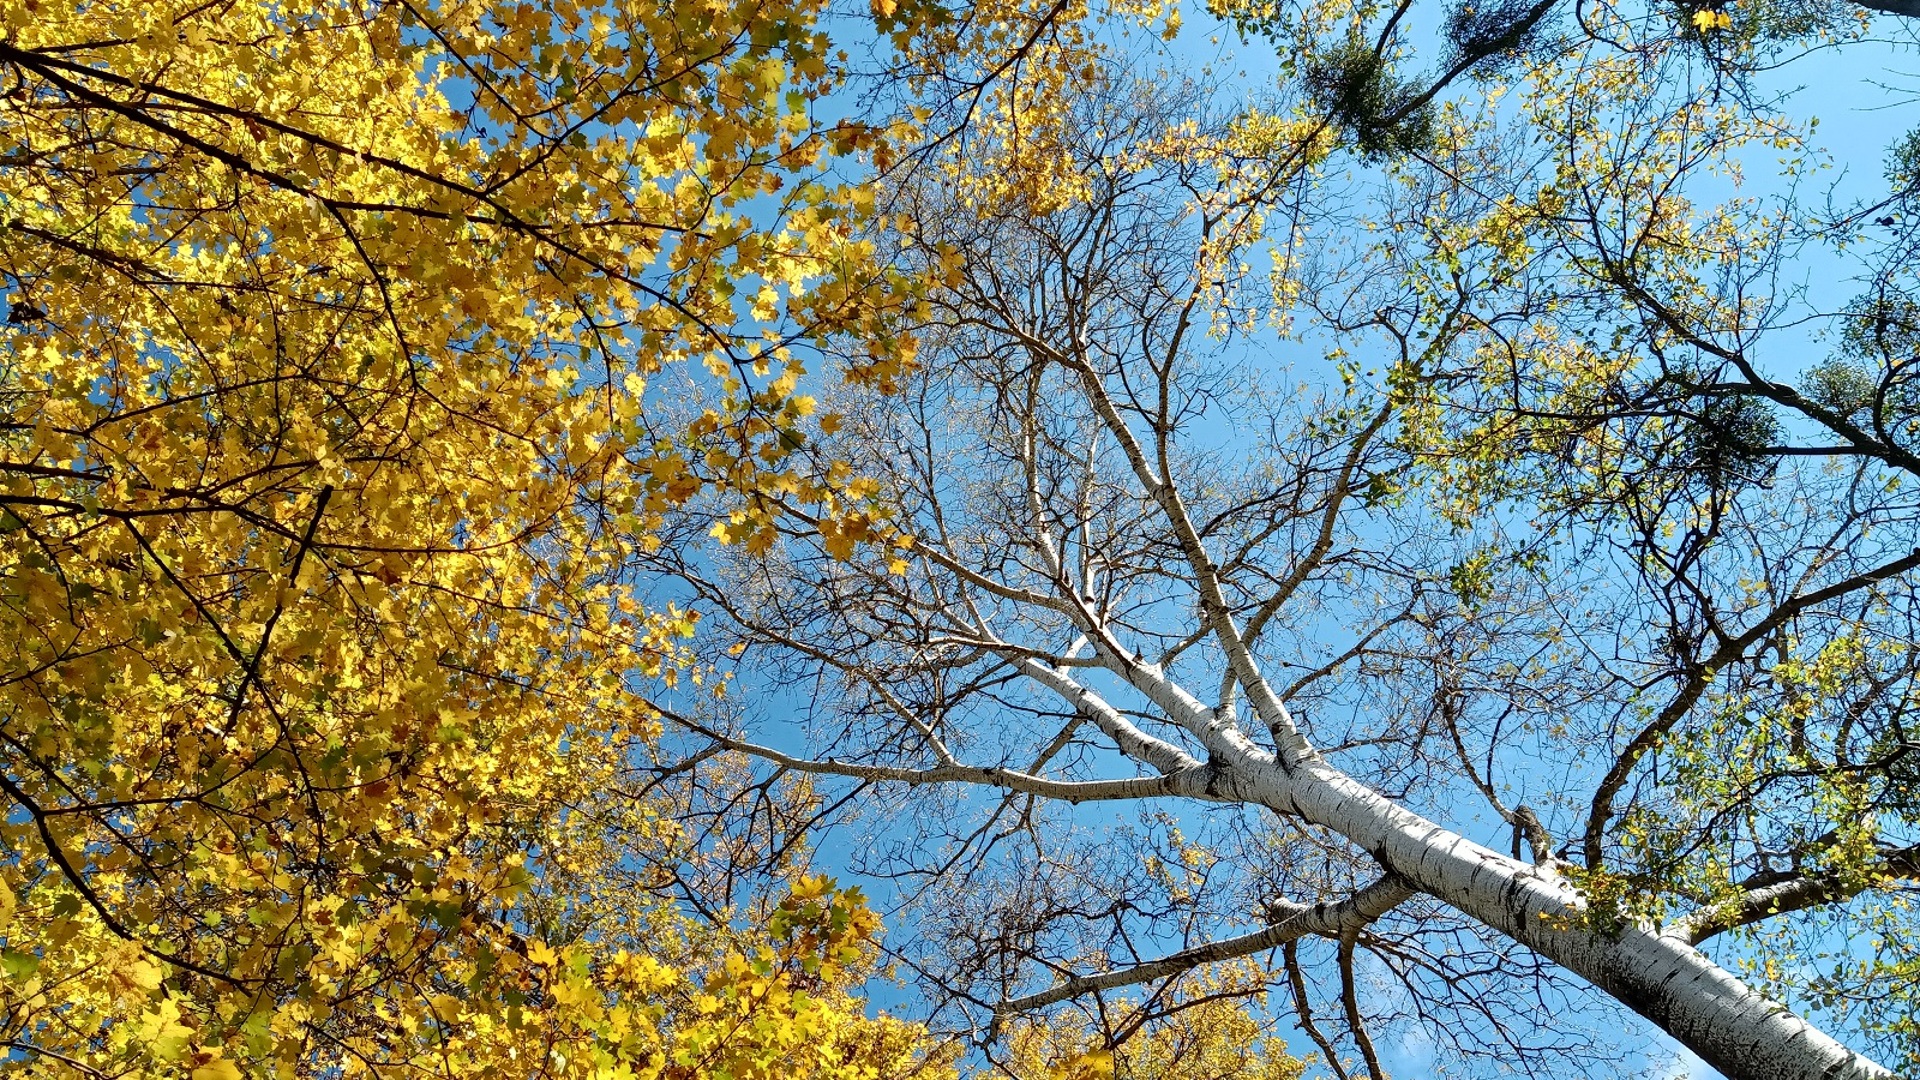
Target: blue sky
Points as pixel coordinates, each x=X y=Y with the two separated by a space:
x=1861 y=94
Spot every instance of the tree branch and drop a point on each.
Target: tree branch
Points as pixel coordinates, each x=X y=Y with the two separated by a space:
x=1192 y=782
x=1767 y=895
x=1293 y=922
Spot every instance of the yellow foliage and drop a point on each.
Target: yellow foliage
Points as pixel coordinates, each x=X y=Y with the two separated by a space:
x=322 y=441
x=1208 y=1031
x=1707 y=20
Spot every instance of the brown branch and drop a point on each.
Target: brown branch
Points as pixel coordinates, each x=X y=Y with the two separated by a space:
x=79 y=883
x=1350 y=1000
x=1764 y=896
x=1643 y=741
x=1294 y=921
x=1297 y=982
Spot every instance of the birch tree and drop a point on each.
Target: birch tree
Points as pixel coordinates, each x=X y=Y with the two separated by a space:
x=1460 y=577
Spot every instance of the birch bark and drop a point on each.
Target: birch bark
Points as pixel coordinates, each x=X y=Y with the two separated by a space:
x=1705 y=1007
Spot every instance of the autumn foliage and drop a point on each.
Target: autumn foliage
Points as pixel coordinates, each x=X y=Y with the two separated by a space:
x=423 y=422
x=323 y=428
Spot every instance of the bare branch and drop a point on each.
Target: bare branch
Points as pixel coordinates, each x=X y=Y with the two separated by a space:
x=1294 y=922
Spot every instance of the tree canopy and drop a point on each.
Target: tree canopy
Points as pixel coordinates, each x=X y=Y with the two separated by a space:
x=324 y=425
x=481 y=483
x=1409 y=487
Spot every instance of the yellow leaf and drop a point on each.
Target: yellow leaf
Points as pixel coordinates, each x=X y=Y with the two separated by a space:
x=541 y=953
x=1706 y=20
x=146 y=974
x=1091 y=1065
x=217 y=1069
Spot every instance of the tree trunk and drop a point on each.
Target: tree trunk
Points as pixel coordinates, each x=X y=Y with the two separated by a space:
x=1727 y=1023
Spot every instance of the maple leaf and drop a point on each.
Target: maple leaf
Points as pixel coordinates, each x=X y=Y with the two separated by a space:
x=327 y=437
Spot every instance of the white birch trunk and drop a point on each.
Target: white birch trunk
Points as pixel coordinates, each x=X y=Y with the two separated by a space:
x=1727 y=1023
